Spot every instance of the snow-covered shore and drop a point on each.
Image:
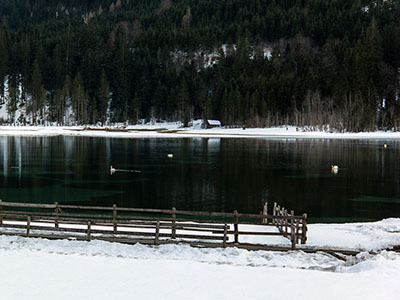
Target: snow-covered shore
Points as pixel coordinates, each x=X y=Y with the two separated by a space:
x=174 y=130
x=42 y=269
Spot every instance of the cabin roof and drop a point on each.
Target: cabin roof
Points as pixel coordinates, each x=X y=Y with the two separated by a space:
x=214 y=122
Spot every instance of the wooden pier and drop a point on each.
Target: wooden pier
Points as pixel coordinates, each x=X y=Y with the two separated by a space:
x=151 y=226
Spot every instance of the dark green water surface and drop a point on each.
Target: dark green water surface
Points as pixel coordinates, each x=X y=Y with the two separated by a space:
x=208 y=174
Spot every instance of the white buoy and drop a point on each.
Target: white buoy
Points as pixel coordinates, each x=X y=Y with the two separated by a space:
x=112 y=170
x=334 y=169
x=170 y=155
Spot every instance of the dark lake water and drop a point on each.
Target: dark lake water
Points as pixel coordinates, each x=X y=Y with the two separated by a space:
x=208 y=174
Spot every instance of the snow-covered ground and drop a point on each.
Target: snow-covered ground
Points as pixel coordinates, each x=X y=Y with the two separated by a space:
x=175 y=130
x=42 y=269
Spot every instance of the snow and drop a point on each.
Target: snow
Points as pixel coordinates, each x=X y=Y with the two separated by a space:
x=205 y=58
x=369 y=236
x=214 y=122
x=372 y=236
x=365 y=8
x=175 y=130
x=67 y=269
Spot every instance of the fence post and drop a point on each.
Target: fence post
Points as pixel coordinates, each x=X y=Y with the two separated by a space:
x=304 y=229
x=225 y=232
x=157 y=233
x=293 y=236
x=173 y=222
x=265 y=212
x=1 y=212
x=279 y=213
x=280 y=220
x=236 y=226
x=28 y=226
x=56 y=215
x=89 y=225
x=274 y=213
x=292 y=220
x=115 y=217
x=286 y=222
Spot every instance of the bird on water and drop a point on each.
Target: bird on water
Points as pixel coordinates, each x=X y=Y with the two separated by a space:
x=112 y=170
x=334 y=169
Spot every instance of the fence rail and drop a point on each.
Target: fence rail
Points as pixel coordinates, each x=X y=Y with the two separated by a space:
x=149 y=226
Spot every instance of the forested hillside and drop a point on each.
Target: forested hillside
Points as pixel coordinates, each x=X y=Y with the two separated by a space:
x=247 y=62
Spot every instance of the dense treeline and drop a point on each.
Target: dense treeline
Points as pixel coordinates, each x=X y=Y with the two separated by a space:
x=257 y=63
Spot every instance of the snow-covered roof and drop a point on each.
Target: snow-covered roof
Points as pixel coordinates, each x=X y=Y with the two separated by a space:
x=214 y=122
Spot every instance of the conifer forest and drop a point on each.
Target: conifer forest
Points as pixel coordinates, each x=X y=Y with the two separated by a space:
x=255 y=63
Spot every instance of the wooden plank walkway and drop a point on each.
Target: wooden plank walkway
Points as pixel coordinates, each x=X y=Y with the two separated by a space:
x=151 y=226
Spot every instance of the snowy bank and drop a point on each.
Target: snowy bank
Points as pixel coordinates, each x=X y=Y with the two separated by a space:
x=101 y=270
x=174 y=130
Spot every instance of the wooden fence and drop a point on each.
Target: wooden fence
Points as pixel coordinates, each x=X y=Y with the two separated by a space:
x=295 y=228
x=149 y=226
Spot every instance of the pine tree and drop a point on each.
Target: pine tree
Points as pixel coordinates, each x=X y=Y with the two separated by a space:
x=79 y=99
x=38 y=94
x=103 y=97
x=135 y=109
x=3 y=60
x=65 y=102
x=12 y=102
x=59 y=107
x=120 y=88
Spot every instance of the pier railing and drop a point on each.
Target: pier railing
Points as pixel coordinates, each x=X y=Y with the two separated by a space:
x=150 y=226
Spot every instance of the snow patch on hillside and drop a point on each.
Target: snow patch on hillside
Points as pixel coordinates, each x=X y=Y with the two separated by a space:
x=204 y=58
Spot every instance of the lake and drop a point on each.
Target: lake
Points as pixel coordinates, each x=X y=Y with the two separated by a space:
x=208 y=174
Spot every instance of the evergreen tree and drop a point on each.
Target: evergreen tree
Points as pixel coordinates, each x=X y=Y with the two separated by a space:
x=103 y=97
x=120 y=88
x=79 y=99
x=3 y=60
x=38 y=94
x=12 y=102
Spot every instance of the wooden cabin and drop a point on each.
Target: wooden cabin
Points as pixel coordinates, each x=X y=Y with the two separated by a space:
x=212 y=124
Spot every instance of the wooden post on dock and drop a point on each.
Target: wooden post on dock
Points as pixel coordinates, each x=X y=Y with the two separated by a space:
x=291 y=222
x=157 y=233
x=115 y=217
x=173 y=222
x=293 y=236
x=286 y=222
x=28 y=226
x=89 y=229
x=304 y=229
x=225 y=237
x=265 y=212
x=1 y=212
x=236 y=226
x=274 y=213
x=56 y=214
x=279 y=221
